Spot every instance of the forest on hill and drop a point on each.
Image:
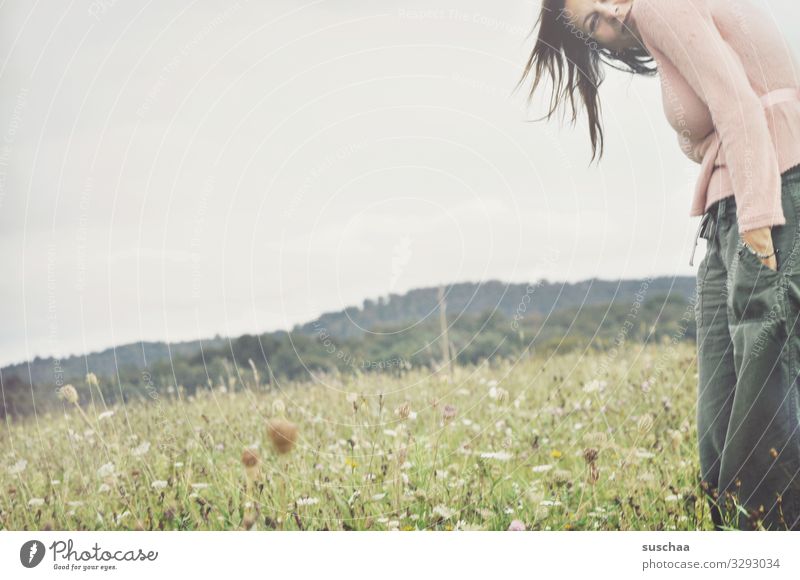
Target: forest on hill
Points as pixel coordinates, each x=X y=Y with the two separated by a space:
x=485 y=321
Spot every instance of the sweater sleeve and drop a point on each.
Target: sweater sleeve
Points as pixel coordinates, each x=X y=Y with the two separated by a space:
x=684 y=32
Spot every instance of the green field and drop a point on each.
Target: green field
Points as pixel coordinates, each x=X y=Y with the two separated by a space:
x=604 y=441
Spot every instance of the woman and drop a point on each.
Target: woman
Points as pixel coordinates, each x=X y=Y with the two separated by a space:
x=729 y=90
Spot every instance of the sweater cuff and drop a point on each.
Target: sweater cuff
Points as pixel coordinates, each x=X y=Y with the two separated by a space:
x=749 y=223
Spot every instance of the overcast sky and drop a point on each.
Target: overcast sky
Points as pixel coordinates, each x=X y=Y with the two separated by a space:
x=172 y=170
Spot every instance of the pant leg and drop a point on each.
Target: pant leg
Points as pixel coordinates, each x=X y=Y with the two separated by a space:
x=760 y=463
x=716 y=371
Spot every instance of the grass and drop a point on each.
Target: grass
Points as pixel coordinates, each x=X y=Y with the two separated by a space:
x=556 y=443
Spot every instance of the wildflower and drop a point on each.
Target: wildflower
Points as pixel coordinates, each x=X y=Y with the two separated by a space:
x=141 y=449
x=250 y=460
x=104 y=488
x=303 y=501
x=590 y=455
x=448 y=413
x=541 y=468
x=403 y=411
x=443 y=511
x=645 y=423
x=18 y=467
x=69 y=394
x=594 y=386
x=555 y=454
x=199 y=486
x=561 y=476
x=351 y=463
x=278 y=407
x=35 y=501
x=498 y=393
x=672 y=498
x=106 y=470
x=158 y=484
x=283 y=434
x=91 y=380
x=499 y=455
x=105 y=415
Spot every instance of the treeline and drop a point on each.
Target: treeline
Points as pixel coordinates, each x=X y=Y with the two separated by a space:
x=637 y=314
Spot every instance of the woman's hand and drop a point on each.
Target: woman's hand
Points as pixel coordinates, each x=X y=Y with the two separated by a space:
x=760 y=240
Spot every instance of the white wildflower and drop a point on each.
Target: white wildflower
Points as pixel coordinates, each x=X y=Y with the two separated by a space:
x=35 y=501
x=594 y=386
x=143 y=448
x=18 y=467
x=106 y=470
x=105 y=415
x=199 y=486
x=307 y=501
x=541 y=468
x=443 y=511
x=104 y=488
x=158 y=484
x=499 y=455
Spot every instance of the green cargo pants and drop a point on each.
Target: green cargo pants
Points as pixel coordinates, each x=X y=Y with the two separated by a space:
x=748 y=346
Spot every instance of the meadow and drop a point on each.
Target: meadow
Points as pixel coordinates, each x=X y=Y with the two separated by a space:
x=572 y=441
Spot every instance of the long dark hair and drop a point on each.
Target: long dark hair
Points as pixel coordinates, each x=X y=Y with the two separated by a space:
x=560 y=43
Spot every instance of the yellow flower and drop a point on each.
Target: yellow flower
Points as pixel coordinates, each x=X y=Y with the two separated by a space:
x=351 y=463
x=555 y=453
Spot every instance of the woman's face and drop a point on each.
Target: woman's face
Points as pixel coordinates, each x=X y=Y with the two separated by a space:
x=602 y=20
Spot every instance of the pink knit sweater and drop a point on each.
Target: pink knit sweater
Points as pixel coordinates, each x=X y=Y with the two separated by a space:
x=717 y=61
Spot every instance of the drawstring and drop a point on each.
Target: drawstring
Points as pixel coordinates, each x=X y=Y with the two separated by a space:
x=700 y=229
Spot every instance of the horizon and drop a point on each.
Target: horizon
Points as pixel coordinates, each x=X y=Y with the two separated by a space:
x=218 y=336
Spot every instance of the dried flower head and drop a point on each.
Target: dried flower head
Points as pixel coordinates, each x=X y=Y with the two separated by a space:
x=283 y=434
x=250 y=460
x=448 y=413
x=69 y=394
x=91 y=380
x=645 y=423
x=403 y=411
